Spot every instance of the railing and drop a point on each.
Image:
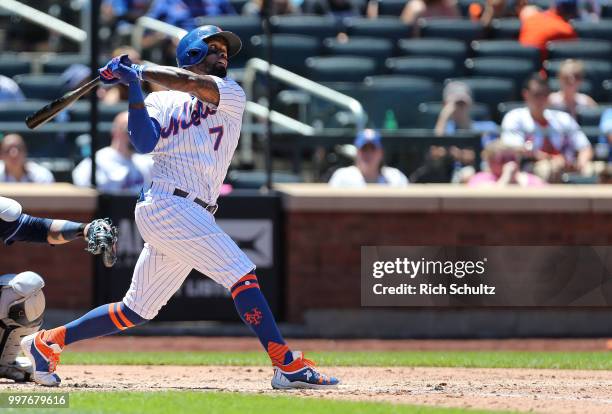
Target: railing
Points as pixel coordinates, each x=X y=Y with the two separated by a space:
x=256 y=65
x=49 y=22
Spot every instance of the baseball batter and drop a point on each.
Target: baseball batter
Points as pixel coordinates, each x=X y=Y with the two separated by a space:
x=22 y=302
x=192 y=131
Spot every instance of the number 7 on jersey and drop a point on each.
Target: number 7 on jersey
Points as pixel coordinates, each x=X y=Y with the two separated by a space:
x=219 y=131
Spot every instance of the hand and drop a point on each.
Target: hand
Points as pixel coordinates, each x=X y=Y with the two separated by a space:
x=106 y=72
x=126 y=71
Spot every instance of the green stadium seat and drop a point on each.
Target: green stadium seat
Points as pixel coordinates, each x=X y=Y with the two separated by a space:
x=607 y=90
x=594 y=30
x=382 y=27
x=80 y=112
x=436 y=68
x=60 y=62
x=44 y=87
x=376 y=48
x=340 y=68
x=12 y=65
x=508 y=68
x=505 y=28
x=447 y=48
x=464 y=30
x=391 y=7
x=430 y=110
x=317 y=26
x=289 y=51
x=590 y=117
x=580 y=49
x=18 y=111
x=505 y=48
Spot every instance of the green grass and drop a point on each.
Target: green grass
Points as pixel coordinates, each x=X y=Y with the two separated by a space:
x=498 y=359
x=227 y=403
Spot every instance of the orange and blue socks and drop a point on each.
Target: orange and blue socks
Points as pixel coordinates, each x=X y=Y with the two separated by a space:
x=103 y=320
x=255 y=312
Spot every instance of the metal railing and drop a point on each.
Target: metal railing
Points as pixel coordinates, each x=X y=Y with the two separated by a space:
x=256 y=65
x=47 y=21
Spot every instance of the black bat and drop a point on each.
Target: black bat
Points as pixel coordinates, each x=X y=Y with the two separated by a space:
x=49 y=111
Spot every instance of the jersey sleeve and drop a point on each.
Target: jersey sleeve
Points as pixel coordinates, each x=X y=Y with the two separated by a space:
x=28 y=229
x=154 y=106
x=232 y=99
x=511 y=131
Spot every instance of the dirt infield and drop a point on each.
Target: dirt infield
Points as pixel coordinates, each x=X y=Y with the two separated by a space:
x=545 y=391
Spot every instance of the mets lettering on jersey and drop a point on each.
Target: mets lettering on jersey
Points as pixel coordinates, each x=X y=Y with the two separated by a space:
x=196 y=147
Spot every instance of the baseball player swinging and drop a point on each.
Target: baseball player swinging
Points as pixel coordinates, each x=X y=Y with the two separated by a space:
x=22 y=301
x=192 y=131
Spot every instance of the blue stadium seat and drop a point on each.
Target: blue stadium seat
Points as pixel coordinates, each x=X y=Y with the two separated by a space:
x=436 y=68
x=514 y=69
x=391 y=7
x=580 y=49
x=505 y=48
x=376 y=48
x=44 y=87
x=430 y=110
x=340 y=68
x=447 y=48
x=11 y=65
x=382 y=27
x=594 y=30
x=464 y=30
x=505 y=28
x=289 y=51
x=317 y=26
x=490 y=91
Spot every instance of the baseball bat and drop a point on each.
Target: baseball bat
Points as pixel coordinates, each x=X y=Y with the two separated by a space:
x=48 y=112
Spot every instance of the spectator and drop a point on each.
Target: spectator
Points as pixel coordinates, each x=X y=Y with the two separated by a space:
x=539 y=28
x=9 y=90
x=279 y=8
x=183 y=13
x=120 y=14
x=497 y=9
x=15 y=167
x=503 y=163
x=368 y=168
x=416 y=9
x=568 y=99
x=118 y=167
x=551 y=138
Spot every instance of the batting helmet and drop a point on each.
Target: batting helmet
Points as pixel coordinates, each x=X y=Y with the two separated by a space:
x=192 y=47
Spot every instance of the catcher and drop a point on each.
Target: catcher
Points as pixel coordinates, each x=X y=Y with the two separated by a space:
x=22 y=302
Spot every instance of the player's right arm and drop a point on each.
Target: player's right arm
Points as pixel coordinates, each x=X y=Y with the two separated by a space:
x=203 y=87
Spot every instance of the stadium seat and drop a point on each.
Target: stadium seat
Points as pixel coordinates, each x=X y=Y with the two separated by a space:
x=436 y=68
x=607 y=90
x=430 y=110
x=18 y=111
x=594 y=30
x=44 y=87
x=317 y=26
x=244 y=26
x=79 y=112
x=447 y=48
x=505 y=48
x=591 y=116
x=60 y=62
x=508 y=68
x=11 y=65
x=606 y=11
x=505 y=28
x=289 y=51
x=595 y=70
x=490 y=91
x=391 y=7
x=464 y=30
x=382 y=27
x=464 y=6
x=580 y=49
x=373 y=47
x=340 y=68
x=585 y=87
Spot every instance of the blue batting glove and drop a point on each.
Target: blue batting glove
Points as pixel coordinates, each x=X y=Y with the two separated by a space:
x=106 y=72
x=127 y=71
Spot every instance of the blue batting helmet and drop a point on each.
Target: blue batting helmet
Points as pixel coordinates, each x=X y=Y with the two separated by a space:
x=192 y=48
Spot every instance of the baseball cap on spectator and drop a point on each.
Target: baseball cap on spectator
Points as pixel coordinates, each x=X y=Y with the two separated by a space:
x=368 y=136
x=457 y=92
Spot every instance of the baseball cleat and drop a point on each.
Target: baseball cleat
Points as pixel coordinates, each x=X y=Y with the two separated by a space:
x=300 y=373
x=44 y=358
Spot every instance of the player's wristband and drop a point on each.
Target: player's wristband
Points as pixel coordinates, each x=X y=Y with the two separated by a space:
x=138 y=69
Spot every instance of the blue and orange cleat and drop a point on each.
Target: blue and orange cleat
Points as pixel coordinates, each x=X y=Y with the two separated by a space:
x=300 y=373
x=44 y=358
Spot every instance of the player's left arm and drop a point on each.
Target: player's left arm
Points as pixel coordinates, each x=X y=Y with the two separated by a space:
x=45 y=230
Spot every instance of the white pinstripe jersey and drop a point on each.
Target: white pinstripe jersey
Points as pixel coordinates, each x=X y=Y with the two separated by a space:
x=197 y=139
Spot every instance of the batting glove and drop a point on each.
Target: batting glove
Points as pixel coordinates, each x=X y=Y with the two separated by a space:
x=106 y=72
x=127 y=71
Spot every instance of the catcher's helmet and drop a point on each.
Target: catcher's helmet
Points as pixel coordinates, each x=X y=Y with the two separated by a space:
x=192 y=47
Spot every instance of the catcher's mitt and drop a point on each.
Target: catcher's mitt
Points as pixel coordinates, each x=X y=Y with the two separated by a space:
x=102 y=239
